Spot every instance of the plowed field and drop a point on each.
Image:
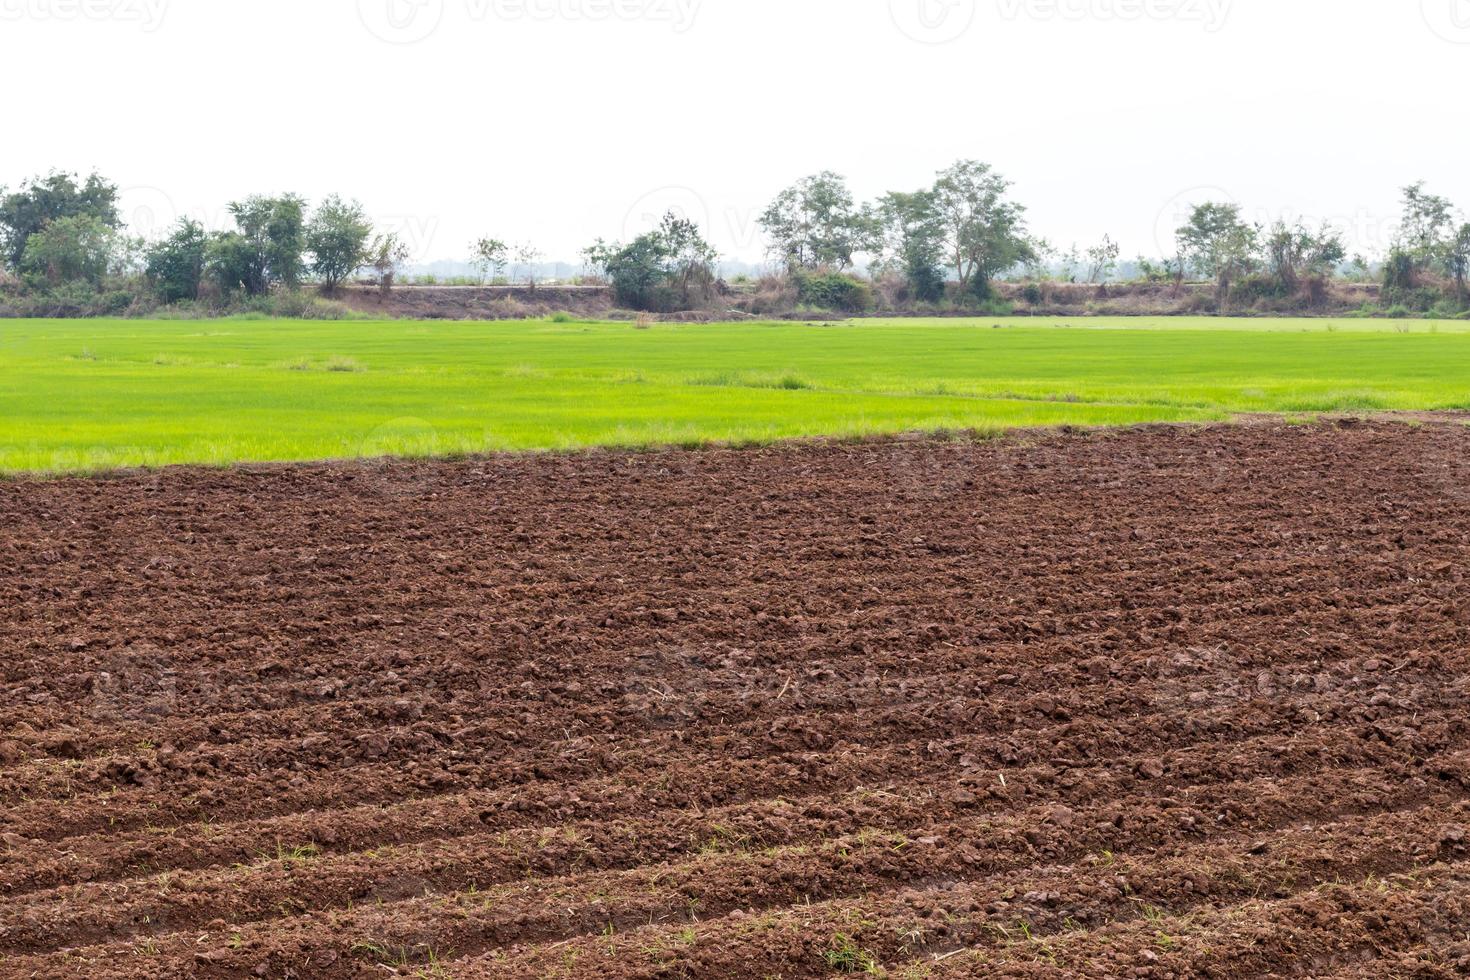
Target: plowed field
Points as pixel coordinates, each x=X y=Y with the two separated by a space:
x=1165 y=702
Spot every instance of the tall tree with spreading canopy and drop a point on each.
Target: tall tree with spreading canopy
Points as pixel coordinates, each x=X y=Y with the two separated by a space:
x=1218 y=244
x=337 y=239
x=984 y=233
x=267 y=247
x=1427 y=226
x=913 y=239
x=817 y=224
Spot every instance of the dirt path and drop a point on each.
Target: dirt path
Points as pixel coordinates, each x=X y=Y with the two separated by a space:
x=1162 y=702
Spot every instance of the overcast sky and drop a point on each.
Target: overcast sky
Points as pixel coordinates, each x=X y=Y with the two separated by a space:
x=559 y=121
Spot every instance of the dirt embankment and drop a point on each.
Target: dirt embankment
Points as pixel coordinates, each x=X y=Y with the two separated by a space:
x=1169 y=299
x=1152 y=703
x=1046 y=299
x=478 y=302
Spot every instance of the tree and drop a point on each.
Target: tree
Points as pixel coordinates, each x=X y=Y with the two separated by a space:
x=636 y=271
x=78 y=248
x=690 y=263
x=42 y=200
x=1458 y=259
x=1358 y=269
x=337 y=239
x=490 y=255
x=1102 y=260
x=1427 y=228
x=1167 y=270
x=914 y=236
x=1293 y=252
x=528 y=255
x=1399 y=273
x=597 y=257
x=1218 y=244
x=670 y=266
x=1071 y=263
x=230 y=262
x=387 y=255
x=984 y=234
x=272 y=239
x=175 y=265
x=816 y=224
x=1038 y=264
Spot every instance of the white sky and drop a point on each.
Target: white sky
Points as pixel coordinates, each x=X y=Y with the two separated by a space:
x=560 y=121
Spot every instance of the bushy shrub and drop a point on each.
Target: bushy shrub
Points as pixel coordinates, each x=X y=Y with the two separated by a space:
x=665 y=270
x=772 y=296
x=994 y=306
x=1197 y=302
x=1315 y=289
x=1419 y=299
x=1399 y=272
x=1252 y=288
x=297 y=305
x=67 y=299
x=833 y=291
x=927 y=282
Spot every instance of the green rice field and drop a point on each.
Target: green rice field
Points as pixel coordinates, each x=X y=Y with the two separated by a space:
x=87 y=395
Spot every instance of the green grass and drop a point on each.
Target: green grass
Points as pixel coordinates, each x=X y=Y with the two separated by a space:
x=82 y=395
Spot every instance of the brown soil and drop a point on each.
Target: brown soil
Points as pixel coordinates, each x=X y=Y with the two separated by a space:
x=1163 y=702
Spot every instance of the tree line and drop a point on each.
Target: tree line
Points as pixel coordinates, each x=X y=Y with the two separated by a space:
x=60 y=229
x=950 y=241
x=947 y=242
x=957 y=236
